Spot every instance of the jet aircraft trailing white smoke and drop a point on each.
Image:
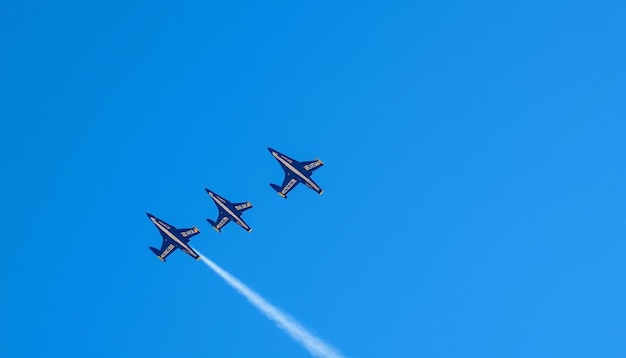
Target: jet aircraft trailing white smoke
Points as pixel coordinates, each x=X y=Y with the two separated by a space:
x=314 y=345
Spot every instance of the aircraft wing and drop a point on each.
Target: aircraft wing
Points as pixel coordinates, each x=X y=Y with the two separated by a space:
x=222 y=219
x=312 y=166
x=288 y=184
x=187 y=234
x=166 y=249
x=241 y=207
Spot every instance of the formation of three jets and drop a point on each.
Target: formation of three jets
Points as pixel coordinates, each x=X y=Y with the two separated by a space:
x=173 y=238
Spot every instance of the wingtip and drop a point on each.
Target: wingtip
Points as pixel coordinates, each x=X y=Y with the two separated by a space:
x=321 y=192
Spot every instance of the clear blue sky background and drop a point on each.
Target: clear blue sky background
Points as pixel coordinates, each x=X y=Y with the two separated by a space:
x=474 y=206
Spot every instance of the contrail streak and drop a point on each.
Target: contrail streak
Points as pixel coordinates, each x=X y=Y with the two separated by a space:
x=314 y=345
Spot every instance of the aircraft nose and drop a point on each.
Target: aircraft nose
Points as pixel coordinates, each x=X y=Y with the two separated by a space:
x=270 y=149
x=208 y=191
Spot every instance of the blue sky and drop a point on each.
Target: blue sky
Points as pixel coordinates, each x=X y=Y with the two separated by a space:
x=474 y=178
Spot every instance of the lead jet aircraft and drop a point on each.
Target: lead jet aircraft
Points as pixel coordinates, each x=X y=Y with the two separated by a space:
x=173 y=239
x=228 y=211
x=295 y=172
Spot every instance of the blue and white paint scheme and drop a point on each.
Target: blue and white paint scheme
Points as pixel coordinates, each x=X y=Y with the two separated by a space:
x=173 y=239
x=295 y=172
x=228 y=212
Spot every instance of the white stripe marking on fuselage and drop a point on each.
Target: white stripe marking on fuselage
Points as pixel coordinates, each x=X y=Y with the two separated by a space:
x=280 y=159
x=219 y=202
x=186 y=247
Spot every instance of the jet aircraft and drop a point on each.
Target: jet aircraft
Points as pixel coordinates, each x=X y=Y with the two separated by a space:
x=295 y=172
x=173 y=239
x=228 y=212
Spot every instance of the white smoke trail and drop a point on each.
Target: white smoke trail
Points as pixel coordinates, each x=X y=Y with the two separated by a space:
x=314 y=345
